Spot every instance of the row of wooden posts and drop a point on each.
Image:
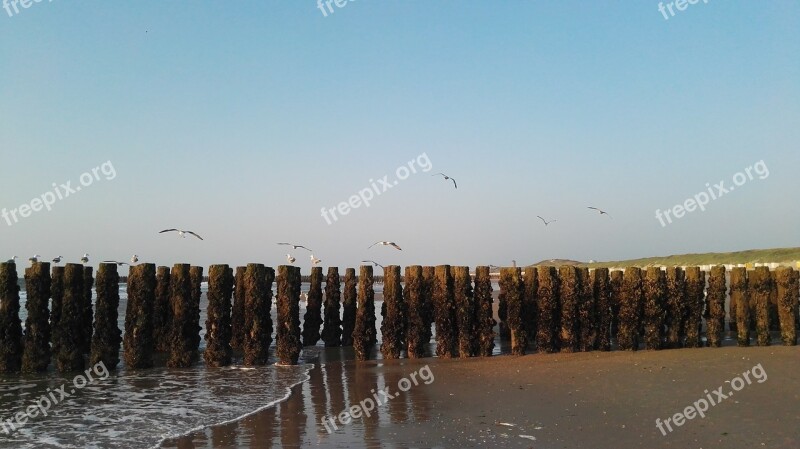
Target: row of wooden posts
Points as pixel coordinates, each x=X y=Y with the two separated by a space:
x=549 y=310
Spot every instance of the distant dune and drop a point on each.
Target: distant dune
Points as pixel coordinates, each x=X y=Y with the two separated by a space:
x=775 y=255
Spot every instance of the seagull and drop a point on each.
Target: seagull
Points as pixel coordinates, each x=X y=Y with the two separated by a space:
x=85 y=259
x=134 y=259
x=314 y=260
x=386 y=244
x=446 y=178
x=181 y=232
x=296 y=246
x=119 y=264
x=373 y=262
x=57 y=260
x=12 y=260
x=545 y=221
x=34 y=259
x=598 y=210
x=290 y=258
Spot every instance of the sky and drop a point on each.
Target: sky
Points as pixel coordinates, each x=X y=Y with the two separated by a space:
x=243 y=120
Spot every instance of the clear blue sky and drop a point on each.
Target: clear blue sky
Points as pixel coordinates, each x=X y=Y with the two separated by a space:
x=241 y=120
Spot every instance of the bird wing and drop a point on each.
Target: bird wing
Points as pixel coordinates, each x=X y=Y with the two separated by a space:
x=540 y=218
x=190 y=232
x=590 y=207
x=166 y=230
x=284 y=243
x=395 y=245
x=370 y=246
x=301 y=246
x=454 y=182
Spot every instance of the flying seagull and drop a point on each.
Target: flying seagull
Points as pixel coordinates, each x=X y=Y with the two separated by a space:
x=385 y=244
x=598 y=210
x=446 y=178
x=134 y=259
x=181 y=232
x=57 y=260
x=545 y=221
x=290 y=258
x=85 y=259
x=119 y=264
x=296 y=246
x=12 y=260
x=314 y=260
x=373 y=262
x=34 y=259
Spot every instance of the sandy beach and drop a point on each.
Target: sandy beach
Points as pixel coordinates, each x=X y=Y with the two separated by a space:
x=579 y=400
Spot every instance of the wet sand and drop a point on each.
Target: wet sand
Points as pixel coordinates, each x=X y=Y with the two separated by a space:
x=583 y=400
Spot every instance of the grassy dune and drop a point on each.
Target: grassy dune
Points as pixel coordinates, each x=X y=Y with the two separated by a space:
x=750 y=256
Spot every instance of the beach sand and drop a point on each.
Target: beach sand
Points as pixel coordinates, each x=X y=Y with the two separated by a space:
x=582 y=400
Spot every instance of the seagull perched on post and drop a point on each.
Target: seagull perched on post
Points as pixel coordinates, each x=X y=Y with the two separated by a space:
x=134 y=259
x=386 y=244
x=290 y=258
x=373 y=263
x=296 y=246
x=545 y=221
x=34 y=259
x=57 y=260
x=598 y=210
x=12 y=260
x=85 y=259
x=181 y=232
x=314 y=260
x=446 y=178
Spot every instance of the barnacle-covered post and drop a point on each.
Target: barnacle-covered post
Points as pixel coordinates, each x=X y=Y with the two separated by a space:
x=36 y=353
x=287 y=336
x=444 y=313
x=676 y=306
x=365 y=334
x=569 y=292
x=218 y=318
x=162 y=312
x=349 y=306
x=760 y=285
x=787 y=304
x=615 y=283
x=312 y=319
x=630 y=309
x=548 y=308
x=602 y=295
x=415 y=334
x=332 y=328
x=529 y=307
x=196 y=276
x=428 y=281
x=393 y=326
x=107 y=336
x=654 y=287
x=137 y=343
x=257 y=320
x=237 y=310
x=11 y=346
x=181 y=338
x=484 y=315
x=512 y=288
x=695 y=293
x=715 y=301
x=740 y=301
x=465 y=311
x=56 y=302
x=587 y=324
x=88 y=309
x=70 y=355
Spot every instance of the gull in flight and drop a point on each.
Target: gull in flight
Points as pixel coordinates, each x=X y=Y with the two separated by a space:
x=57 y=260
x=296 y=246
x=85 y=259
x=119 y=264
x=386 y=244
x=373 y=263
x=314 y=260
x=290 y=258
x=545 y=221
x=181 y=232
x=446 y=178
x=134 y=259
x=12 y=260
x=34 y=259
x=598 y=210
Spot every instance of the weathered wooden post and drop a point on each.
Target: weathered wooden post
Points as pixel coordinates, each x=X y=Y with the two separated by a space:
x=312 y=319
x=676 y=307
x=630 y=309
x=107 y=336
x=655 y=289
x=393 y=326
x=740 y=301
x=529 y=307
x=11 y=346
x=484 y=314
x=587 y=324
x=428 y=281
x=615 y=284
x=759 y=283
x=349 y=306
x=774 y=314
x=787 y=304
x=503 y=329
x=602 y=295
x=237 y=311
x=568 y=293
x=88 y=309
x=332 y=328
x=182 y=354
x=548 y=307
x=364 y=334
x=444 y=313
x=512 y=289
x=162 y=312
x=70 y=355
x=196 y=277
x=257 y=320
x=415 y=334
x=715 y=301
x=288 y=344
x=56 y=301
x=138 y=341
x=218 y=322
x=464 y=298
x=36 y=352
x=695 y=288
